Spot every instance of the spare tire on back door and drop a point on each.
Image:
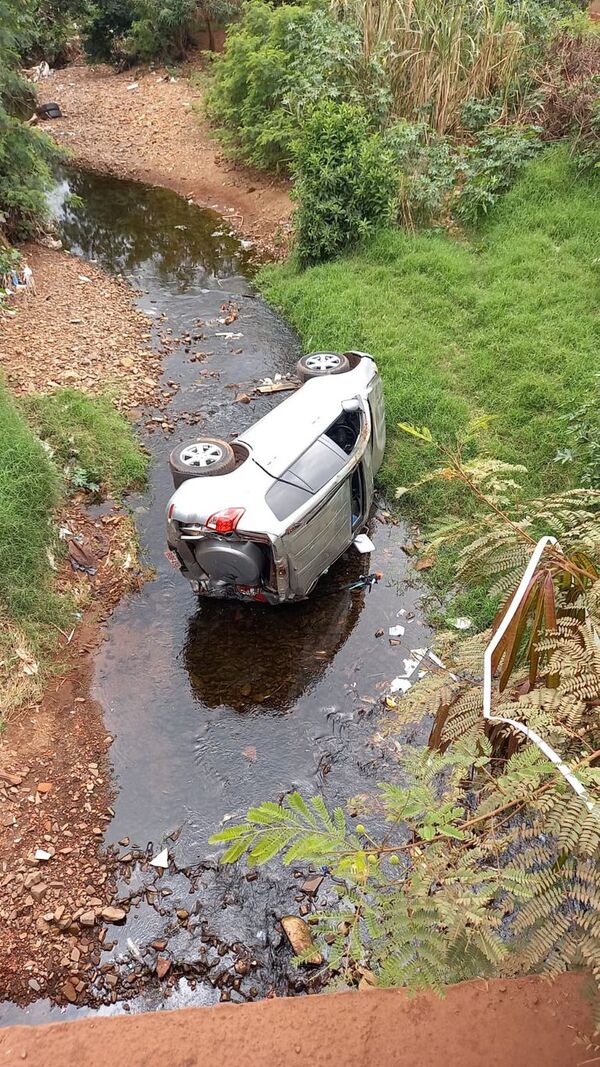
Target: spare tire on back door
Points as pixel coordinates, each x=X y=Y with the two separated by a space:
x=204 y=458
x=316 y=364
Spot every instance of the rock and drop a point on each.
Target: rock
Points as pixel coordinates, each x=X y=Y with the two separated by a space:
x=39 y=891
x=44 y=787
x=241 y=967
x=88 y=918
x=69 y=992
x=12 y=779
x=300 y=937
x=163 y=966
x=182 y=914
x=34 y=985
x=113 y=915
x=159 y=945
x=311 y=885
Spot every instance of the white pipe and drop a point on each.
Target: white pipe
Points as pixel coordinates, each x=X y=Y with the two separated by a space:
x=544 y=747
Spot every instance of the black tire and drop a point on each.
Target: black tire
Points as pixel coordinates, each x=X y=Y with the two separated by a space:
x=305 y=370
x=208 y=464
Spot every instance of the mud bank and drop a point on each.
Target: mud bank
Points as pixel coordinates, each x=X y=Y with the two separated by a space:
x=156 y=133
x=521 y=1023
x=82 y=329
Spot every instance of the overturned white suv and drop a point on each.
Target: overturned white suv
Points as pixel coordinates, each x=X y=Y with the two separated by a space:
x=264 y=517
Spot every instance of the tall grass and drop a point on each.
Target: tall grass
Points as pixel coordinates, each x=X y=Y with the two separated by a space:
x=440 y=53
x=507 y=326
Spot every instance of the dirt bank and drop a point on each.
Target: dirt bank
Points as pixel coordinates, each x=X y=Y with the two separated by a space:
x=522 y=1023
x=156 y=133
x=81 y=329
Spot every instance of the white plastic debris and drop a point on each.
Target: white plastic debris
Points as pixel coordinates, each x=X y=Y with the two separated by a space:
x=134 y=85
x=84 y=278
x=230 y=336
x=462 y=623
x=162 y=860
x=396 y=631
x=363 y=543
x=400 y=685
x=41 y=854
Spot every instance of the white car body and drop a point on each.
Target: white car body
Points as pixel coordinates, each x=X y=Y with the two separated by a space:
x=302 y=497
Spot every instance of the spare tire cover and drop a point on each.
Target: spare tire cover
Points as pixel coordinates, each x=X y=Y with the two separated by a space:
x=234 y=562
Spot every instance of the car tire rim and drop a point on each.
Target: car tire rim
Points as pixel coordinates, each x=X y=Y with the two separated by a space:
x=323 y=361
x=202 y=454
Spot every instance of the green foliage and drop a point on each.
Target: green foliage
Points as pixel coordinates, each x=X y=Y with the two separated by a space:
x=490 y=861
x=278 y=63
x=490 y=166
x=346 y=181
x=125 y=31
x=427 y=165
x=440 y=178
x=508 y=327
x=24 y=151
x=583 y=429
x=92 y=443
x=105 y=28
x=29 y=490
x=52 y=29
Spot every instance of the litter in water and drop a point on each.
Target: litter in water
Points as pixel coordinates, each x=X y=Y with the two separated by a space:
x=396 y=631
x=162 y=860
x=363 y=543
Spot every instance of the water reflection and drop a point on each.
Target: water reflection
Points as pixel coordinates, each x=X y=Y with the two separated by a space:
x=138 y=230
x=244 y=655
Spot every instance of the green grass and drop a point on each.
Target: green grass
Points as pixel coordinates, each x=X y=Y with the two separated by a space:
x=504 y=324
x=89 y=438
x=83 y=432
x=29 y=491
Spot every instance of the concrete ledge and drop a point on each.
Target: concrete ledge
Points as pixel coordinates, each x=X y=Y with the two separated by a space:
x=520 y=1023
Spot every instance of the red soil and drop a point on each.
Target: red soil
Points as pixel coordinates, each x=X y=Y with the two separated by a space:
x=520 y=1023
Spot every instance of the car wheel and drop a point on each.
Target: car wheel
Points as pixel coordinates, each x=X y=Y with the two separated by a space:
x=204 y=458
x=316 y=364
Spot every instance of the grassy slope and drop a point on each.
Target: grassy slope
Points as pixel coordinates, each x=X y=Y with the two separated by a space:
x=31 y=487
x=506 y=325
x=89 y=433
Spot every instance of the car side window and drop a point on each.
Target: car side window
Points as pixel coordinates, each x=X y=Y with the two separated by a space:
x=310 y=472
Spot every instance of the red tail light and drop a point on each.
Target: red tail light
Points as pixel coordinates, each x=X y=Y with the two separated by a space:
x=224 y=521
x=170 y=511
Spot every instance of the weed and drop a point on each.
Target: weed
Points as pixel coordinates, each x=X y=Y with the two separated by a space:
x=90 y=440
x=506 y=327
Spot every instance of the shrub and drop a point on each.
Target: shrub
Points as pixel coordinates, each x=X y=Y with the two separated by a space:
x=24 y=151
x=52 y=31
x=346 y=181
x=427 y=166
x=105 y=28
x=490 y=166
x=123 y=31
x=278 y=63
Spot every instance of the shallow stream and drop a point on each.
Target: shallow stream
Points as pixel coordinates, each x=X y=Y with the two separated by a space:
x=214 y=705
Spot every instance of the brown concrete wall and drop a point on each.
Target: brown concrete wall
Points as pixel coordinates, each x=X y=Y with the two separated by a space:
x=521 y=1023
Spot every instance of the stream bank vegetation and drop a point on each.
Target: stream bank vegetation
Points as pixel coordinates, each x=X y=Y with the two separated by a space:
x=57 y=451
x=453 y=99
x=489 y=863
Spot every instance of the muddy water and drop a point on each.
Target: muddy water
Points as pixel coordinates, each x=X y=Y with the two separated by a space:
x=213 y=705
